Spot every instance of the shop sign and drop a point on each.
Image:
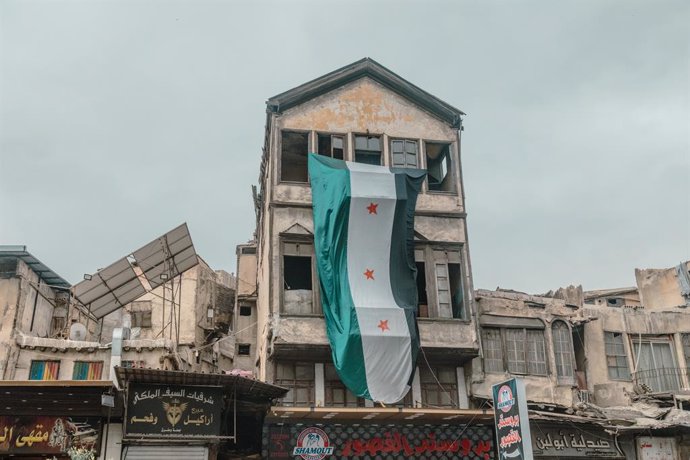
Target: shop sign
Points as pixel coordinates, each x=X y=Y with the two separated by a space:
x=511 y=420
x=48 y=435
x=368 y=442
x=653 y=448
x=571 y=441
x=173 y=410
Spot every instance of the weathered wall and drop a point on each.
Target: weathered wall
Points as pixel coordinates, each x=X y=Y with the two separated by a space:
x=9 y=291
x=540 y=389
x=659 y=288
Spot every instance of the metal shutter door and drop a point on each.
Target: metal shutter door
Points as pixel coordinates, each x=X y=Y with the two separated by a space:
x=165 y=452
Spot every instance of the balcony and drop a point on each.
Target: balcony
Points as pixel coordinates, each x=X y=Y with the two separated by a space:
x=662 y=380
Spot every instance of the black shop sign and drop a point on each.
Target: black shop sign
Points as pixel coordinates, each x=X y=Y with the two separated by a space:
x=173 y=410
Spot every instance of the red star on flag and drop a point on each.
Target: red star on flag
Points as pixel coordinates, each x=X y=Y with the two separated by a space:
x=372 y=208
x=369 y=274
x=383 y=325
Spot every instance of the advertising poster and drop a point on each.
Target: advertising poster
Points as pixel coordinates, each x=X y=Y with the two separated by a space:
x=48 y=435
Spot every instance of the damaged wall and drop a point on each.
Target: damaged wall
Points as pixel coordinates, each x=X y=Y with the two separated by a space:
x=660 y=288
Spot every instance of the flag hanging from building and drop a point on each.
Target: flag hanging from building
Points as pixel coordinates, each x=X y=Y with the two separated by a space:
x=363 y=237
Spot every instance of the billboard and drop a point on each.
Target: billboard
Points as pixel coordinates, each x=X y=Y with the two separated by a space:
x=513 y=438
x=47 y=434
x=173 y=410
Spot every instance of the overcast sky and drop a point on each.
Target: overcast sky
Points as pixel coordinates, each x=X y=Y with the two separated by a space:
x=119 y=120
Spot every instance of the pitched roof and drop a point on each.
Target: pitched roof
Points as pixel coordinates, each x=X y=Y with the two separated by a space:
x=366 y=67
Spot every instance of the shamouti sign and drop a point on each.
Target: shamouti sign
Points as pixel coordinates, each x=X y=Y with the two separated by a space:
x=511 y=420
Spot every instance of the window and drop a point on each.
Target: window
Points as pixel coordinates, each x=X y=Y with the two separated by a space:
x=332 y=145
x=293 y=156
x=87 y=370
x=299 y=378
x=44 y=370
x=298 y=294
x=450 y=296
x=656 y=363
x=130 y=364
x=422 y=299
x=525 y=350
x=57 y=325
x=616 y=358
x=245 y=310
x=368 y=150
x=404 y=153
x=562 y=349
x=438 y=167
x=337 y=395
x=140 y=312
x=243 y=349
x=686 y=351
x=439 y=386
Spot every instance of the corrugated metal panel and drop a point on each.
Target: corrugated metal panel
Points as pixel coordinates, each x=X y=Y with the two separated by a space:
x=165 y=452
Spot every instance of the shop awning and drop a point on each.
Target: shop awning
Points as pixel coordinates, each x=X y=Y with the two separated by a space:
x=378 y=415
x=58 y=397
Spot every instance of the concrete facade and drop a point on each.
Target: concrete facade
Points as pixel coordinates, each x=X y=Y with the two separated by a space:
x=289 y=324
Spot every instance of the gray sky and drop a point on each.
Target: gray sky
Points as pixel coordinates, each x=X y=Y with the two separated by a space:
x=120 y=120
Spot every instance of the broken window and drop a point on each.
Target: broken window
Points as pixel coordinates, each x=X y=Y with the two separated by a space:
x=438 y=165
x=368 y=150
x=616 y=358
x=293 y=156
x=332 y=145
x=140 y=312
x=562 y=349
x=439 y=386
x=337 y=394
x=656 y=363
x=404 y=153
x=449 y=291
x=615 y=302
x=298 y=294
x=243 y=349
x=299 y=378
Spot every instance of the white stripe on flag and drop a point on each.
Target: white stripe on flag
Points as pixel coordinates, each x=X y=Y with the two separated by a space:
x=385 y=334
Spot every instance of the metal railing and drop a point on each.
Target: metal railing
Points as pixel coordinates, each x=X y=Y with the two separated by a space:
x=665 y=379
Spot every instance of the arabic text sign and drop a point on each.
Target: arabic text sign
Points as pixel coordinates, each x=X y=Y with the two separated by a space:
x=367 y=442
x=511 y=420
x=47 y=435
x=571 y=441
x=173 y=410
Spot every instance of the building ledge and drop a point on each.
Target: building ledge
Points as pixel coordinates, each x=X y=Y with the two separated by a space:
x=149 y=344
x=25 y=341
x=279 y=414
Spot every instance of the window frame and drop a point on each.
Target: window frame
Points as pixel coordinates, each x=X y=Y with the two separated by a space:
x=89 y=364
x=624 y=356
x=316 y=309
x=527 y=361
x=344 y=136
x=330 y=385
x=451 y=159
x=279 y=168
x=432 y=387
x=286 y=383
x=381 y=151
x=559 y=354
x=404 y=141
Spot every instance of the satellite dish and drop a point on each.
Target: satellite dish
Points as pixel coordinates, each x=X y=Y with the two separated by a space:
x=77 y=331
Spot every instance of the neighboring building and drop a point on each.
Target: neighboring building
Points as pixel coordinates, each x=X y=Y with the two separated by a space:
x=245 y=317
x=360 y=113
x=51 y=343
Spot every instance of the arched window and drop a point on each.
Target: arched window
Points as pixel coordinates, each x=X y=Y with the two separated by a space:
x=563 y=350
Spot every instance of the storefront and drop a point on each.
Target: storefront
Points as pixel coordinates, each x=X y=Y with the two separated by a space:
x=45 y=419
x=175 y=414
x=377 y=433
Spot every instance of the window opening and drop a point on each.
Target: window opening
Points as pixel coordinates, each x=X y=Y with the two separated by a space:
x=337 y=394
x=298 y=294
x=423 y=301
x=404 y=153
x=243 y=349
x=331 y=145
x=493 y=351
x=299 y=378
x=438 y=167
x=565 y=366
x=444 y=395
x=245 y=310
x=656 y=364
x=368 y=150
x=293 y=159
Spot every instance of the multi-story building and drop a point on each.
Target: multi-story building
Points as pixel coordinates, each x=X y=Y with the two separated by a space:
x=360 y=113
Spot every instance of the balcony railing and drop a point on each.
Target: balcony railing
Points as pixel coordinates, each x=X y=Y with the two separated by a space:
x=665 y=379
